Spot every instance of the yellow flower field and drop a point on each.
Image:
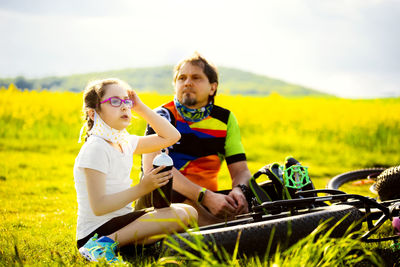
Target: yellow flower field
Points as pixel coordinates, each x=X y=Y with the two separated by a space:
x=325 y=133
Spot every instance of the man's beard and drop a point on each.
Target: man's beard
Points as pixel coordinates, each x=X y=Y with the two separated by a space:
x=188 y=101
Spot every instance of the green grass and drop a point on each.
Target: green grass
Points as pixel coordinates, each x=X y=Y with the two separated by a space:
x=38 y=213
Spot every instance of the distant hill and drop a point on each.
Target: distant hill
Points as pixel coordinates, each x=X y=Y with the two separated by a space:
x=159 y=79
x=236 y=81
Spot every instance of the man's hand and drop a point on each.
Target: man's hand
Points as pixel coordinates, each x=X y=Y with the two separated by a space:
x=220 y=205
x=240 y=200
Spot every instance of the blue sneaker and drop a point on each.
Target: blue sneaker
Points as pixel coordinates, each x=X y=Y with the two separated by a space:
x=96 y=249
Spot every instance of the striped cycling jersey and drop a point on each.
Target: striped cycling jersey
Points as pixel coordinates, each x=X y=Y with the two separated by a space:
x=204 y=145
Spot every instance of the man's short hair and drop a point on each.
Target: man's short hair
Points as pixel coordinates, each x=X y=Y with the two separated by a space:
x=209 y=69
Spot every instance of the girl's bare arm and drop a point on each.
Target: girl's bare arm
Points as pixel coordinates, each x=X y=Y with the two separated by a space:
x=101 y=203
x=166 y=134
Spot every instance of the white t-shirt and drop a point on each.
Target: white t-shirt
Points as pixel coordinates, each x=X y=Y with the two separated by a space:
x=99 y=155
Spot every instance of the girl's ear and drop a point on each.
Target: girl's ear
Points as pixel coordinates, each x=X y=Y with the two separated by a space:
x=91 y=114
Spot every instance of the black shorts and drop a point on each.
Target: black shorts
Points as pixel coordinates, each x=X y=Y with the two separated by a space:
x=112 y=226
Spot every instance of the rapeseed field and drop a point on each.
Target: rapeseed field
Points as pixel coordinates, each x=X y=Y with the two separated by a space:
x=327 y=133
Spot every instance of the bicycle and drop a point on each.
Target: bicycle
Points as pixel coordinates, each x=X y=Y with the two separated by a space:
x=300 y=210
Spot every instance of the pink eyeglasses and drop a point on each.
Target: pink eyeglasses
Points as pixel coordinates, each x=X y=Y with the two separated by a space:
x=117 y=102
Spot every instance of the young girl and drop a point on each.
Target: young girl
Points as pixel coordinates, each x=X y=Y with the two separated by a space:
x=102 y=169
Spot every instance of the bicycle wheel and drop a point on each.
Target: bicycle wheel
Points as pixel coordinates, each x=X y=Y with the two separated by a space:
x=255 y=236
x=387 y=184
x=359 y=177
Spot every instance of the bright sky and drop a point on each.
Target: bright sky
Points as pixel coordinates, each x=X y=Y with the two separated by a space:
x=349 y=48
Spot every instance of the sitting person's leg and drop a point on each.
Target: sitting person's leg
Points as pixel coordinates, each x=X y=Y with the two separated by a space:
x=135 y=228
x=154 y=223
x=205 y=217
x=112 y=225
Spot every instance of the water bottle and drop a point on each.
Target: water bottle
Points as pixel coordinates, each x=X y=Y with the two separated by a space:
x=161 y=197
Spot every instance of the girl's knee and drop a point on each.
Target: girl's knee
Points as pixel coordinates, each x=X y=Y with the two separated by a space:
x=192 y=212
x=186 y=213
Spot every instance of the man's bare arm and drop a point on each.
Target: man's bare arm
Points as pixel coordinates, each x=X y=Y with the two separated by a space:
x=240 y=174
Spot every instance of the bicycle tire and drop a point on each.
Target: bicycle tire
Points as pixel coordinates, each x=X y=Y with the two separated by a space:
x=254 y=237
x=346 y=177
x=387 y=184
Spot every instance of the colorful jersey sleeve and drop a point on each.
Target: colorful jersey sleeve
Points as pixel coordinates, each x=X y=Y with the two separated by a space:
x=234 y=150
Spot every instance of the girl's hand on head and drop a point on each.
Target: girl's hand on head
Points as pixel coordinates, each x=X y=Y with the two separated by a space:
x=135 y=98
x=155 y=179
